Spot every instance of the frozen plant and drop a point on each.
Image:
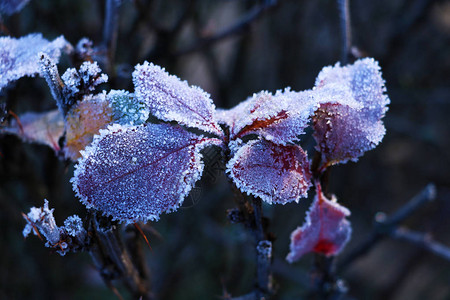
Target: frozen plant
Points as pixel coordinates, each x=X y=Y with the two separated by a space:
x=70 y=237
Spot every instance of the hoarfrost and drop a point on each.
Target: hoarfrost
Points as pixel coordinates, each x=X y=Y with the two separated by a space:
x=83 y=81
x=137 y=173
x=74 y=226
x=126 y=108
x=280 y=118
x=42 y=219
x=171 y=99
x=19 y=57
x=326 y=229
x=345 y=128
x=275 y=173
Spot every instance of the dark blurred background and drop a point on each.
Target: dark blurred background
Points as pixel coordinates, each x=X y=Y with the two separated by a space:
x=200 y=254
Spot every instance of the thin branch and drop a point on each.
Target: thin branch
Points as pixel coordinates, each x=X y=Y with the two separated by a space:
x=345 y=27
x=386 y=225
x=421 y=240
x=110 y=30
x=237 y=28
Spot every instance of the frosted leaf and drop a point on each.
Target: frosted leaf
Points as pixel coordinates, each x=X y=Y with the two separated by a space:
x=326 y=229
x=279 y=118
x=275 y=173
x=137 y=173
x=83 y=121
x=84 y=81
x=9 y=7
x=42 y=219
x=42 y=128
x=127 y=109
x=19 y=57
x=171 y=99
x=345 y=128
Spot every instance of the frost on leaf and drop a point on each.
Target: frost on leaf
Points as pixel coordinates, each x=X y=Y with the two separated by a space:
x=9 y=7
x=171 y=99
x=83 y=121
x=42 y=128
x=275 y=173
x=347 y=127
x=279 y=118
x=137 y=173
x=127 y=109
x=19 y=57
x=326 y=229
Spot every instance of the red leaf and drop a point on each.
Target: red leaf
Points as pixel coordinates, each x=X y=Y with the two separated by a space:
x=137 y=173
x=325 y=230
x=275 y=173
x=171 y=99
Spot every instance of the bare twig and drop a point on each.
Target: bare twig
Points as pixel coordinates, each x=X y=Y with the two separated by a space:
x=110 y=30
x=345 y=27
x=386 y=225
x=421 y=240
x=239 y=27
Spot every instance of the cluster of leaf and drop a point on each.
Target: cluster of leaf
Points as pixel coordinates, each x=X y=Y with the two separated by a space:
x=134 y=170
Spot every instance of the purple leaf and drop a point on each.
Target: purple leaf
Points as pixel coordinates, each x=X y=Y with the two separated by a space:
x=325 y=230
x=171 y=99
x=275 y=173
x=279 y=118
x=19 y=57
x=350 y=124
x=137 y=173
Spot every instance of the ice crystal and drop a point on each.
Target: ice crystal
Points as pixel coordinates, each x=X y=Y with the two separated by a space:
x=280 y=118
x=171 y=99
x=42 y=128
x=19 y=57
x=127 y=109
x=137 y=173
x=347 y=126
x=326 y=229
x=83 y=121
x=275 y=173
x=9 y=7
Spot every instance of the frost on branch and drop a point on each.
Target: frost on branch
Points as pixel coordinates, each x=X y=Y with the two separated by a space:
x=42 y=128
x=69 y=237
x=137 y=173
x=279 y=118
x=83 y=121
x=345 y=128
x=19 y=57
x=326 y=229
x=275 y=173
x=127 y=109
x=171 y=99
